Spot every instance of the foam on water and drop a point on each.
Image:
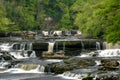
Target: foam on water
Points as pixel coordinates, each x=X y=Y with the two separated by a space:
x=103 y=53
x=68 y=77
x=39 y=69
x=84 y=55
x=53 y=60
x=22 y=55
x=98 y=62
x=3 y=64
x=77 y=74
x=110 y=53
x=18 y=55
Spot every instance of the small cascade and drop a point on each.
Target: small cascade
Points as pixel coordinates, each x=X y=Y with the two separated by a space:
x=104 y=45
x=41 y=68
x=83 y=47
x=4 y=47
x=23 y=54
x=19 y=55
x=4 y=64
x=90 y=54
x=51 y=46
x=33 y=55
x=78 y=74
x=110 y=53
x=98 y=46
x=27 y=68
x=98 y=62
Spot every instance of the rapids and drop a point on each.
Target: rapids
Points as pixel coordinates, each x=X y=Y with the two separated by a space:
x=23 y=64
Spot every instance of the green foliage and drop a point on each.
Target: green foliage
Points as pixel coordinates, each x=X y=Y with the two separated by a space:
x=99 y=19
x=95 y=18
x=4 y=21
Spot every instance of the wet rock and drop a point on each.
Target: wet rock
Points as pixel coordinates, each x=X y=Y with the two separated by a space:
x=71 y=64
x=112 y=77
x=47 y=54
x=61 y=52
x=5 y=56
x=88 y=78
x=59 y=68
x=108 y=64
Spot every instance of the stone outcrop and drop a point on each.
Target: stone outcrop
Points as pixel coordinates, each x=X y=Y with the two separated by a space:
x=109 y=65
x=70 y=64
x=49 y=54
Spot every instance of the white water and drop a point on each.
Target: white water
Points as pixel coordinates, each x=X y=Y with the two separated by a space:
x=4 y=46
x=103 y=53
x=3 y=64
x=53 y=60
x=98 y=62
x=110 y=53
x=83 y=47
x=24 y=68
x=77 y=75
x=22 y=54
x=98 y=46
x=84 y=55
x=68 y=77
x=51 y=46
x=19 y=55
x=91 y=54
x=33 y=55
x=104 y=45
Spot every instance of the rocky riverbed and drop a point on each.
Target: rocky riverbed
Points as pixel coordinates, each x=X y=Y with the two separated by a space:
x=90 y=67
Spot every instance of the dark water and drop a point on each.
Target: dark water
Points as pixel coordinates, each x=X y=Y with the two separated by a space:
x=29 y=76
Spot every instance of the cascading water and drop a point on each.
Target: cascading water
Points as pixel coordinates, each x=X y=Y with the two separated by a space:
x=110 y=53
x=33 y=55
x=98 y=62
x=83 y=47
x=4 y=64
x=22 y=50
x=18 y=55
x=27 y=68
x=98 y=46
x=23 y=54
x=78 y=74
x=104 y=45
x=51 y=46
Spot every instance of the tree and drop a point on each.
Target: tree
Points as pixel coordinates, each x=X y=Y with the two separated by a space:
x=4 y=21
x=99 y=19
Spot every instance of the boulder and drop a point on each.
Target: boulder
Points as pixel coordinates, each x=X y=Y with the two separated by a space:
x=108 y=64
x=70 y=64
x=47 y=54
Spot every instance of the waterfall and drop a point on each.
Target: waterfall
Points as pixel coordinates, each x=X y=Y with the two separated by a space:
x=41 y=68
x=51 y=46
x=33 y=55
x=28 y=67
x=98 y=46
x=30 y=46
x=104 y=45
x=83 y=47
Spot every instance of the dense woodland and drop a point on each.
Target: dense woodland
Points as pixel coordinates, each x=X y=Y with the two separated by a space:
x=95 y=18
